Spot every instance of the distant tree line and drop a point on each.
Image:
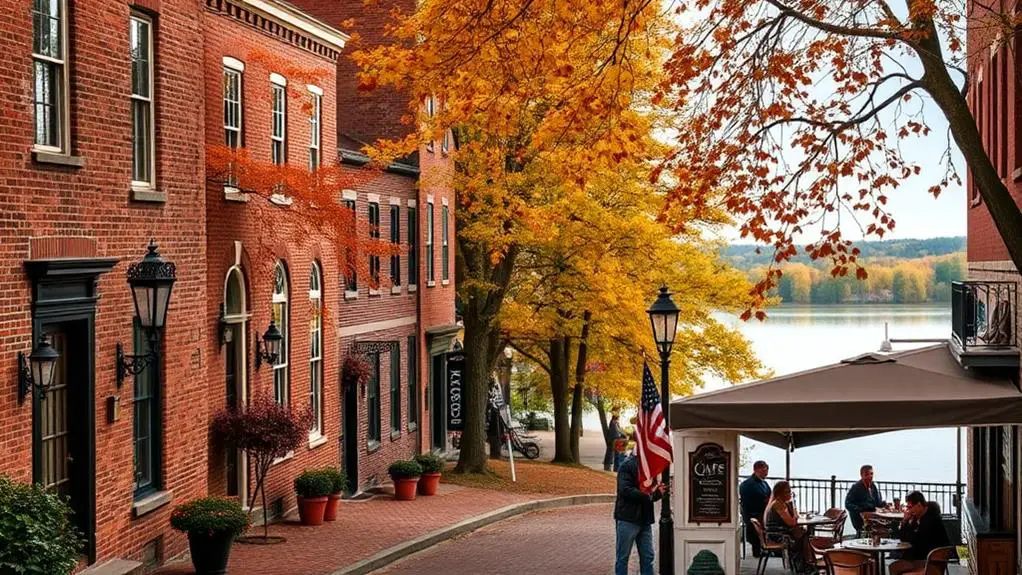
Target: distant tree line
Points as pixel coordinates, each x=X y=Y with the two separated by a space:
x=891 y=280
x=748 y=256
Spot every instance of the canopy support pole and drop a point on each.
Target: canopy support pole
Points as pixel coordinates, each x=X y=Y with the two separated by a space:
x=787 y=460
x=958 y=466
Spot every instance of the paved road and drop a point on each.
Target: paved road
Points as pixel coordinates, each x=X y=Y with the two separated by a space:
x=568 y=541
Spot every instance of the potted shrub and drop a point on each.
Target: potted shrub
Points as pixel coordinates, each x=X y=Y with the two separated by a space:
x=405 y=474
x=432 y=466
x=338 y=483
x=48 y=542
x=211 y=523
x=312 y=487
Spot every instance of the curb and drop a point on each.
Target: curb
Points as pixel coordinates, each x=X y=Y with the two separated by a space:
x=402 y=550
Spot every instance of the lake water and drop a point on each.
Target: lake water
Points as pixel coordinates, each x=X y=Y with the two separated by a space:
x=799 y=337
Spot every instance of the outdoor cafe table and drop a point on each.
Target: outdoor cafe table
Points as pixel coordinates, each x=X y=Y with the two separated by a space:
x=810 y=523
x=890 y=515
x=886 y=546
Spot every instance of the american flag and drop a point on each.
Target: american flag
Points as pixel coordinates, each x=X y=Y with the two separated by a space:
x=653 y=445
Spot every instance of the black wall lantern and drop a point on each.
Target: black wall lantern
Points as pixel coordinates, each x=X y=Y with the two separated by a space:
x=37 y=371
x=151 y=280
x=269 y=349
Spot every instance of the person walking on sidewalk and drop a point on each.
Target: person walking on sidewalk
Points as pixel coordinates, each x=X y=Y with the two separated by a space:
x=633 y=515
x=613 y=456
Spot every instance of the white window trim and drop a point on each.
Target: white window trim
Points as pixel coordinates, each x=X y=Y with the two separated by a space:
x=284 y=359
x=430 y=254
x=64 y=100
x=316 y=361
x=395 y=201
x=151 y=183
x=282 y=138
x=241 y=101
x=349 y=195
x=316 y=128
x=233 y=64
x=278 y=80
x=373 y=198
x=314 y=89
x=411 y=203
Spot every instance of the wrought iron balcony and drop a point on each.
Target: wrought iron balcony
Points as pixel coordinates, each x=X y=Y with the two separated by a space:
x=984 y=323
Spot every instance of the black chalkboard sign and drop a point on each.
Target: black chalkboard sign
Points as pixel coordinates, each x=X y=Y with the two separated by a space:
x=455 y=391
x=709 y=481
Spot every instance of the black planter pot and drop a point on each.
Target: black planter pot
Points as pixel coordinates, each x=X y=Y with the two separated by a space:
x=210 y=552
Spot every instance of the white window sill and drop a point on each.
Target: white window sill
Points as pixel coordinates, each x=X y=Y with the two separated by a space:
x=54 y=156
x=445 y=283
x=316 y=439
x=233 y=194
x=395 y=290
x=151 y=503
x=372 y=445
x=351 y=294
x=412 y=426
x=413 y=288
x=431 y=284
x=374 y=292
x=281 y=200
x=290 y=455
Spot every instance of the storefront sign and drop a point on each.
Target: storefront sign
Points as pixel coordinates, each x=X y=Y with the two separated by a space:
x=455 y=391
x=709 y=472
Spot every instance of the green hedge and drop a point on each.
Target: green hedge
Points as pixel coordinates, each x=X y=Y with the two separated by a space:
x=404 y=469
x=210 y=515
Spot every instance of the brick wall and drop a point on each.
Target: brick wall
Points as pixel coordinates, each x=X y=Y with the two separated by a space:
x=993 y=62
x=94 y=201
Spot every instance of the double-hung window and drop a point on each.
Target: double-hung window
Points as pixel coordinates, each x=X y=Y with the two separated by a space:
x=395 y=390
x=147 y=425
x=280 y=313
x=430 y=274
x=232 y=112
x=373 y=403
x=413 y=247
x=315 y=121
x=351 y=271
x=445 y=247
x=278 y=135
x=374 y=233
x=142 y=114
x=49 y=70
x=395 y=244
x=413 y=381
x=316 y=350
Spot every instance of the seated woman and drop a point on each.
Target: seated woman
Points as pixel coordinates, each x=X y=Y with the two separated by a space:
x=781 y=524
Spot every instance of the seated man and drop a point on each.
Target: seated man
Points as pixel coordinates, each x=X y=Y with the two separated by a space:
x=924 y=529
x=863 y=497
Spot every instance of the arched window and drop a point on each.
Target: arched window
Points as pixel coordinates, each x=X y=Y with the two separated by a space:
x=281 y=315
x=316 y=349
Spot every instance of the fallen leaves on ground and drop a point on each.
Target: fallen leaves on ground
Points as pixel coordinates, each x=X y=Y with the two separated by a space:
x=532 y=477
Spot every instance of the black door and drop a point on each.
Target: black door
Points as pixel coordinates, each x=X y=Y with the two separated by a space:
x=231 y=379
x=63 y=452
x=349 y=439
x=438 y=387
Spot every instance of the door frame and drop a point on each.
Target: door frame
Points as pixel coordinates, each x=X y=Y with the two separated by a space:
x=438 y=389
x=349 y=432
x=66 y=290
x=238 y=324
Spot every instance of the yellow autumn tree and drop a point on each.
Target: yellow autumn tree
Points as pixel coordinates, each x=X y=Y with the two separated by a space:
x=540 y=97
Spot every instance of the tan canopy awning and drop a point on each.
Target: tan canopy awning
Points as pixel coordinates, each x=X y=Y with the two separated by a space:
x=872 y=393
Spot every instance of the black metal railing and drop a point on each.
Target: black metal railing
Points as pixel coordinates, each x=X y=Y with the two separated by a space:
x=983 y=314
x=819 y=495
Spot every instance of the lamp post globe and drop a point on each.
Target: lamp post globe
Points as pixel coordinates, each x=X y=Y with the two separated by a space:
x=43 y=360
x=663 y=316
x=151 y=279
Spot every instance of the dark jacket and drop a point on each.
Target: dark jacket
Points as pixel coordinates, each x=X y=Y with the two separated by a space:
x=860 y=499
x=632 y=504
x=925 y=535
x=754 y=493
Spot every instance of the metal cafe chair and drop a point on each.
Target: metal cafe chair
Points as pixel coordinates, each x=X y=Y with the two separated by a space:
x=936 y=562
x=770 y=548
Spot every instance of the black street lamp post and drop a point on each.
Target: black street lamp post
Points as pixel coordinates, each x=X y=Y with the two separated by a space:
x=663 y=315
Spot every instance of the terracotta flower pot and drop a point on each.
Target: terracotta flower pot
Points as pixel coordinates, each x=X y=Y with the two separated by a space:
x=404 y=488
x=333 y=501
x=429 y=483
x=311 y=510
x=210 y=552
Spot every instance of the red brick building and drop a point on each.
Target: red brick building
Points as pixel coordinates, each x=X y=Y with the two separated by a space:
x=98 y=157
x=991 y=518
x=110 y=109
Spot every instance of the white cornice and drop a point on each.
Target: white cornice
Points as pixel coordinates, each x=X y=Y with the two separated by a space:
x=299 y=21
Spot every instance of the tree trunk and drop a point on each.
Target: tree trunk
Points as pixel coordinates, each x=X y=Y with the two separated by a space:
x=576 y=396
x=480 y=340
x=559 y=354
x=938 y=83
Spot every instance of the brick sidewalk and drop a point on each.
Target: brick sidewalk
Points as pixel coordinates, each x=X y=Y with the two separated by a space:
x=362 y=529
